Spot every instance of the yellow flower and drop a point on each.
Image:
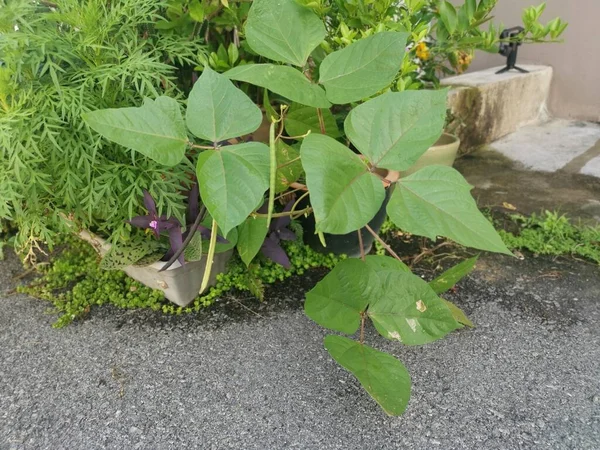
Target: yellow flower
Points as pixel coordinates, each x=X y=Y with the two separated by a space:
x=422 y=51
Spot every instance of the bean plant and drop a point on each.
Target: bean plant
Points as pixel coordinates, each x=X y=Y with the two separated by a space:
x=388 y=131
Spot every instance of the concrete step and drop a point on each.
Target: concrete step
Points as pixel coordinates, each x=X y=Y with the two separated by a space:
x=488 y=106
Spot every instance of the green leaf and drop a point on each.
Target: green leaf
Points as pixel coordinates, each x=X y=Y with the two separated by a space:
x=251 y=236
x=155 y=129
x=194 y=250
x=384 y=265
x=196 y=11
x=436 y=201
x=448 y=16
x=409 y=311
x=363 y=68
x=218 y=111
x=283 y=80
x=302 y=119
x=283 y=30
x=289 y=166
x=471 y=8
x=458 y=314
x=448 y=279
x=345 y=195
x=384 y=377
x=338 y=300
x=199 y=247
x=128 y=253
x=233 y=181
x=395 y=129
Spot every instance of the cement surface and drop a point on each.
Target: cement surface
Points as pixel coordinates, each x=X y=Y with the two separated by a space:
x=487 y=76
x=526 y=377
x=551 y=146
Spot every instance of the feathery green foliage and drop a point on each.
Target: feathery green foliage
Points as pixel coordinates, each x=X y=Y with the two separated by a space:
x=57 y=63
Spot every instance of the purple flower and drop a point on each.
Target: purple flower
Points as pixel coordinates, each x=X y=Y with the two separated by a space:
x=278 y=231
x=156 y=223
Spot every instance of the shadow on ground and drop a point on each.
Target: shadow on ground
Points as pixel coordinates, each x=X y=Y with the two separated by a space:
x=526 y=377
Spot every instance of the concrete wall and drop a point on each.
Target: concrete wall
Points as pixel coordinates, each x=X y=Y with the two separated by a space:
x=576 y=86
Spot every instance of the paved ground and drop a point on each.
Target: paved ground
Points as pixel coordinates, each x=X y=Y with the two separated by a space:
x=527 y=377
x=555 y=165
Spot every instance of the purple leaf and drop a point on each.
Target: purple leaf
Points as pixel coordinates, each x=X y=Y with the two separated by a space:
x=283 y=222
x=286 y=234
x=272 y=250
x=141 y=221
x=149 y=203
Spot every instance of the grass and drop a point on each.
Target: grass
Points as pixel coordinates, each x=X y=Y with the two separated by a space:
x=553 y=234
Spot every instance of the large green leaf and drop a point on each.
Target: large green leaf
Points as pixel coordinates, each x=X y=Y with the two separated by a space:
x=338 y=300
x=436 y=201
x=395 y=129
x=283 y=80
x=218 y=111
x=384 y=265
x=449 y=278
x=383 y=376
x=289 y=167
x=363 y=68
x=345 y=195
x=409 y=311
x=155 y=129
x=251 y=236
x=302 y=119
x=233 y=181
x=283 y=30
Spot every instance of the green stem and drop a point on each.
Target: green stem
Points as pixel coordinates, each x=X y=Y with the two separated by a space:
x=210 y=257
x=273 y=172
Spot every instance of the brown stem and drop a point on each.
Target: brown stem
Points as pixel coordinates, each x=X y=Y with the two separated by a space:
x=361 y=245
x=382 y=242
x=321 y=120
x=299 y=186
x=363 y=317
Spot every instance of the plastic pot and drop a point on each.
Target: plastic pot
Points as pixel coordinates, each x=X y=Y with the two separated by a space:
x=442 y=153
x=180 y=284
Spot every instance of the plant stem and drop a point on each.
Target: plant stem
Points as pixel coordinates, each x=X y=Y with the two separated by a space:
x=363 y=316
x=273 y=171
x=284 y=214
x=290 y=162
x=188 y=239
x=321 y=120
x=203 y=147
x=298 y=201
x=210 y=257
x=382 y=242
x=361 y=244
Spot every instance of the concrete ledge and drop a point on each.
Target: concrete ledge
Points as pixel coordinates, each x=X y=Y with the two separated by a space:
x=489 y=106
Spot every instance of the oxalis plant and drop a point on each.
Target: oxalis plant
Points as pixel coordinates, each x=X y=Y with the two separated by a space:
x=388 y=131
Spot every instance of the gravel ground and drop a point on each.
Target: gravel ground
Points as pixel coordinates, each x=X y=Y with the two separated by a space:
x=527 y=377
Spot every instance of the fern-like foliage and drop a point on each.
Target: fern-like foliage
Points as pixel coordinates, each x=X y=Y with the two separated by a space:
x=58 y=60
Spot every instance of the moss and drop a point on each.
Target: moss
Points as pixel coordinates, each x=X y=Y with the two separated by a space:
x=74 y=282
